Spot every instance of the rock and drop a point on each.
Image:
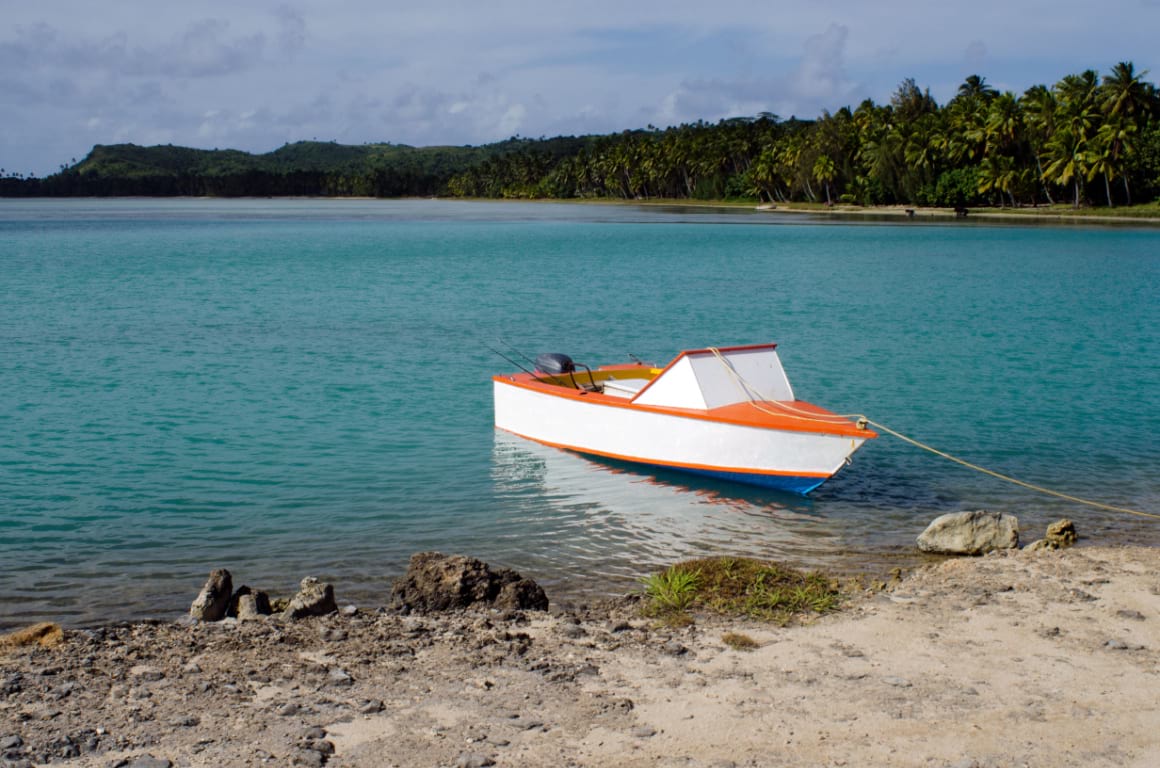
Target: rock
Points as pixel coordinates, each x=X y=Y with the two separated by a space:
x=11 y=685
x=473 y=760
x=314 y=598
x=144 y=761
x=213 y=601
x=521 y=595
x=11 y=742
x=321 y=746
x=146 y=673
x=308 y=758
x=970 y=533
x=371 y=706
x=248 y=604
x=573 y=632
x=438 y=582
x=1061 y=533
x=1040 y=545
x=644 y=732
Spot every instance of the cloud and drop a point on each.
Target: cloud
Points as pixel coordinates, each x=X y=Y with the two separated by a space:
x=451 y=71
x=821 y=77
x=818 y=81
x=975 y=55
x=291 y=30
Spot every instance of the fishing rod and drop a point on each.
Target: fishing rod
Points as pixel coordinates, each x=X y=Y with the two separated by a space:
x=513 y=349
x=513 y=362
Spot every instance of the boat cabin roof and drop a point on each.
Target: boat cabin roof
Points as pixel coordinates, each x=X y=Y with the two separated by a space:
x=718 y=376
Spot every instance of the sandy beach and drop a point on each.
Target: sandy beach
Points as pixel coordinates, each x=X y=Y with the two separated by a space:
x=1047 y=658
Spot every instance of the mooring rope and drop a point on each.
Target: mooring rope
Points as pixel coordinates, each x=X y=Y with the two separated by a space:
x=749 y=390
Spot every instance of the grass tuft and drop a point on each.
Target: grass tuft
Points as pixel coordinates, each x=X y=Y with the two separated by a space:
x=733 y=586
x=739 y=642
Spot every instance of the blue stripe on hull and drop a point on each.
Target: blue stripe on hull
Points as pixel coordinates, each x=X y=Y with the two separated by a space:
x=791 y=483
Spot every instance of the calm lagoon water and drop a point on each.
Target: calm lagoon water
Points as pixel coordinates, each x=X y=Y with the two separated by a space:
x=299 y=387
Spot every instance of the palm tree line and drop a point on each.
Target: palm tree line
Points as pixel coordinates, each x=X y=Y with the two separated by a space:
x=1084 y=140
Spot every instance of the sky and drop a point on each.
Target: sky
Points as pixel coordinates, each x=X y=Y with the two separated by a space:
x=256 y=75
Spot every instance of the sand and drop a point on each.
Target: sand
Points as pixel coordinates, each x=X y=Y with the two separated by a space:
x=1045 y=658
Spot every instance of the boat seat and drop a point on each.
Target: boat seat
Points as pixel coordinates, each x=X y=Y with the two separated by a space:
x=624 y=387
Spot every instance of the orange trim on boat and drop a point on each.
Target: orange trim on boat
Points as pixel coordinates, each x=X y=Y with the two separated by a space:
x=740 y=414
x=673 y=464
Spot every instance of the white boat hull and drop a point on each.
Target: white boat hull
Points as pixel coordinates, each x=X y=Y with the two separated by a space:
x=794 y=460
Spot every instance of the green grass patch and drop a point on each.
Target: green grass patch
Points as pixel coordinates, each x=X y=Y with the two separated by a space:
x=738 y=641
x=731 y=586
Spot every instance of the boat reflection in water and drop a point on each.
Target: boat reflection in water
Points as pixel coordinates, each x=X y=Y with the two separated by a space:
x=589 y=526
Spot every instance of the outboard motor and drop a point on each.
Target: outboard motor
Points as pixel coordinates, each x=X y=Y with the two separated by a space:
x=557 y=363
x=554 y=363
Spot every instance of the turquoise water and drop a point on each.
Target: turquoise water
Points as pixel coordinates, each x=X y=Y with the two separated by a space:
x=287 y=388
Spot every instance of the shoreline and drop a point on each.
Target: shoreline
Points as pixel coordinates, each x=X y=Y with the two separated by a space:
x=1058 y=214
x=1035 y=658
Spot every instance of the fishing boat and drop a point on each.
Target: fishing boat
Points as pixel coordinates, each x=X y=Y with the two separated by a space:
x=727 y=413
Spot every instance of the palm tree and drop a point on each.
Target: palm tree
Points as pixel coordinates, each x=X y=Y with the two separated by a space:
x=1113 y=143
x=1068 y=155
x=1075 y=117
x=1039 y=106
x=1125 y=93
x=824 y=172
x=975 y=87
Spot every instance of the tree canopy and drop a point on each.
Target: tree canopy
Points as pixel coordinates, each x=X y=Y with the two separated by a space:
x=1085 y=139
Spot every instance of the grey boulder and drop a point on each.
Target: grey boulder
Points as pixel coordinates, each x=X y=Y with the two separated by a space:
x=970 y=533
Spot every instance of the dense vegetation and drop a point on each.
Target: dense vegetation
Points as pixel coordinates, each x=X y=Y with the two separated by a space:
x=1084 y=140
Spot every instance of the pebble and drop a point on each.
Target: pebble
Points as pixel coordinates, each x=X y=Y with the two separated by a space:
x=288 y=709
x=308 y=758
x=1130 y=615
x=473 y=760
x=572 y=631
x=371 y=706
x=644 y=732
x=314 y=732
x=897 y=682
x=340 y=678
x=674 y=648
x=185 y=722
x=144 y=761
x=1120 y=645
x=11 y=742
x=146 y=673
x=321 y=746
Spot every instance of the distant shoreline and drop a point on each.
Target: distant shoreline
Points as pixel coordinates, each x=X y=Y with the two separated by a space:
x=1136 y=216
